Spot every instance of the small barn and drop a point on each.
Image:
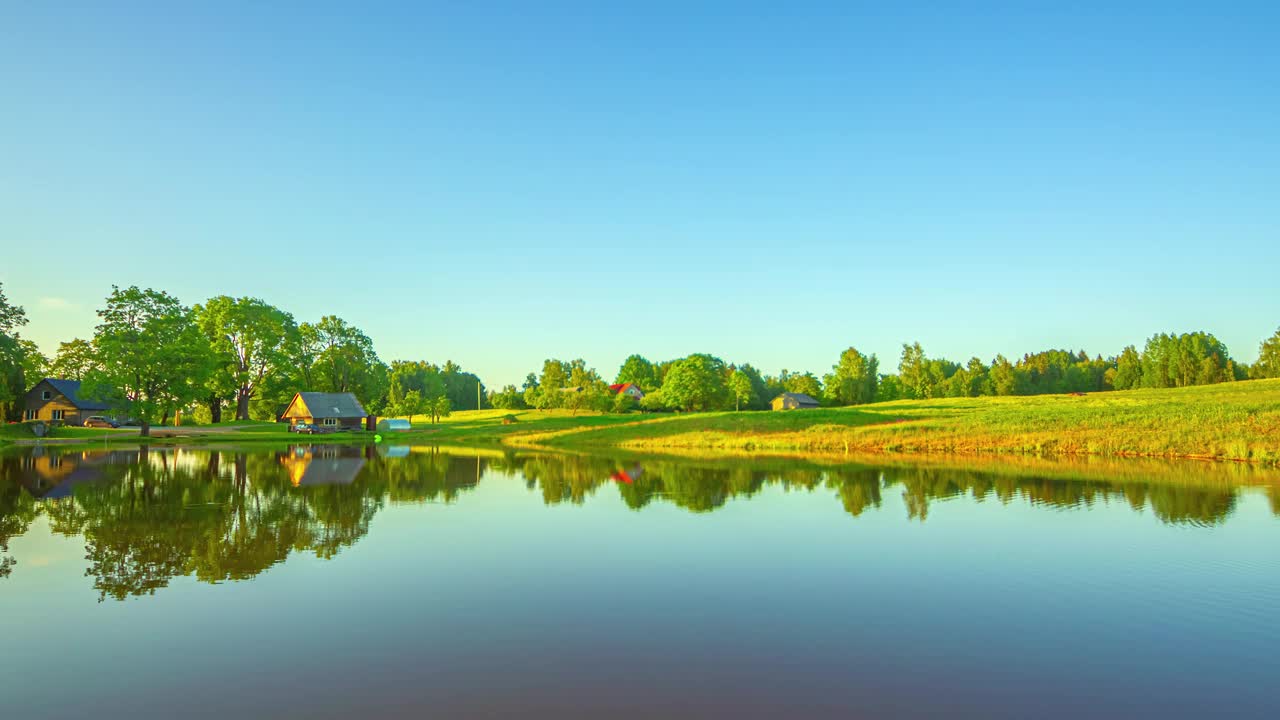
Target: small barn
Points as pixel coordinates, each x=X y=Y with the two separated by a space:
x=327 y=410
x=54 y=400
x=794 y=401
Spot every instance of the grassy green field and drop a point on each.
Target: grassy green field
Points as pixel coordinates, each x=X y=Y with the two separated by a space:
x=1232 y=421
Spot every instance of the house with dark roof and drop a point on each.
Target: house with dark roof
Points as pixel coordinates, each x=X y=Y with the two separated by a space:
x=54 y=400
x=327 y=410
x=794 y=401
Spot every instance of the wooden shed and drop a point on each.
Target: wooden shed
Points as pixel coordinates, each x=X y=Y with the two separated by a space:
x=328 y=410
x=54 y=400
x=794 y=401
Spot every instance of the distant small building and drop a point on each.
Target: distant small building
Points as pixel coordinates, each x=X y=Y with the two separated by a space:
x=54 y=400
x=794 y=401
x=629 y=388
x=330 y=410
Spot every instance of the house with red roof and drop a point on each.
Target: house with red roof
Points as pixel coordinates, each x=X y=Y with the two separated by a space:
x=629 y=388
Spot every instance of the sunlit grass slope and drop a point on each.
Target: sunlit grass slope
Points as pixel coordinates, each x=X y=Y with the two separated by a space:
x=1232 y=421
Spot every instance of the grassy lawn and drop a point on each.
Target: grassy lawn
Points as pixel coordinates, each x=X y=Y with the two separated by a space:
x=1231 y=421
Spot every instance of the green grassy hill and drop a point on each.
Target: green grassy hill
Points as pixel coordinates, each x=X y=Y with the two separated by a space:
x=1231 y=421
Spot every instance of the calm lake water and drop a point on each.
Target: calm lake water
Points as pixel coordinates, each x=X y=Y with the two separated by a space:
x=336 y=582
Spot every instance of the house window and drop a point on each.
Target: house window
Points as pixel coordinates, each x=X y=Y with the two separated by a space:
x=31 y=415
x=330 y=422
x=57 y=414
x=46 y=395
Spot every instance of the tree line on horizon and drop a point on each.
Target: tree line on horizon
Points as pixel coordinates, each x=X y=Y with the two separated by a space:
x=151 y=356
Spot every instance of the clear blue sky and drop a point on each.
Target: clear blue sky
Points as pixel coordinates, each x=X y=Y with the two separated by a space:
x=497 y=183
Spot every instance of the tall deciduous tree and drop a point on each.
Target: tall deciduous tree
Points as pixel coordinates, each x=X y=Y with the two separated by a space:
x=912 y=372
x=12 y=316
x=853 y=380
x=806 y=383
x=339 y=357
x=740 y=388
x=696 y=383
x=636 y=369
x=1268 y=365
x=250 y=338
x=1128 y=369
x=12 y=377
x=154 y=358
x=74 y=360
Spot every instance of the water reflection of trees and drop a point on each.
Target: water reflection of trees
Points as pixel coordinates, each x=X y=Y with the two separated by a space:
x=705 y=486
x=147 y=517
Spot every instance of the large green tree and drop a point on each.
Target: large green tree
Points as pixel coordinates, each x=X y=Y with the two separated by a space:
x=740 y=389
x=250 y=339
x=636 y=369
x=154 y=358
x=1128 y=372
x=336 y=356
x=1268 y=365
x=912 y=371
x=75 y=359
x=696 y=383
x=806 y=383
x=853 y=379
x=13 y=378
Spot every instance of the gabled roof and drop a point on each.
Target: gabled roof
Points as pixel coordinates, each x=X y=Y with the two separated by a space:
x=71 y=390
x=799 y=397
x=330 y=405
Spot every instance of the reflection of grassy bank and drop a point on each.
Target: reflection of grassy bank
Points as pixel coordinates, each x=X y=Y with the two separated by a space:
x=222 y=513
x=1174 y=492
x=1232 y=421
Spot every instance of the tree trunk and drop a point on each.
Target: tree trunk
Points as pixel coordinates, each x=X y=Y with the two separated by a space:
x=164 y=419
x=215 y=409
x=144 y=429
x=242 y=406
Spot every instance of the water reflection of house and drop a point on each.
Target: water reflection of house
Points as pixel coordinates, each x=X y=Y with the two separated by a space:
x=53 y=475
x=322 y=465
x=627 y=477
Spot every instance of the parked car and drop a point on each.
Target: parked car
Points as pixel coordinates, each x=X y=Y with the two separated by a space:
x=98 y=421
x=307 y=429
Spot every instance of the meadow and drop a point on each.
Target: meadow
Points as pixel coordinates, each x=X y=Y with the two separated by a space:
x=1237 y=421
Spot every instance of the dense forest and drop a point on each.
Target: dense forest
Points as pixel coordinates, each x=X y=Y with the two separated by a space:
x=151 y=357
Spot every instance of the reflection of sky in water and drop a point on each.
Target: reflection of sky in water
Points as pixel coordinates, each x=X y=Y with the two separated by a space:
x=776 y=603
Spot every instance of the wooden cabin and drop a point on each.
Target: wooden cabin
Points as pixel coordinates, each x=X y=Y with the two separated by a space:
x=794 y=401
x=326 y=410
x=54 y=400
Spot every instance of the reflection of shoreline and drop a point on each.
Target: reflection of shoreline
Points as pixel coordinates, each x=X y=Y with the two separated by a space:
x=150 y=515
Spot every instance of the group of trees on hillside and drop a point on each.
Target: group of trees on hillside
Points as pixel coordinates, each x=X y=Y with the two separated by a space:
x=701 y=382
x=152 y=356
